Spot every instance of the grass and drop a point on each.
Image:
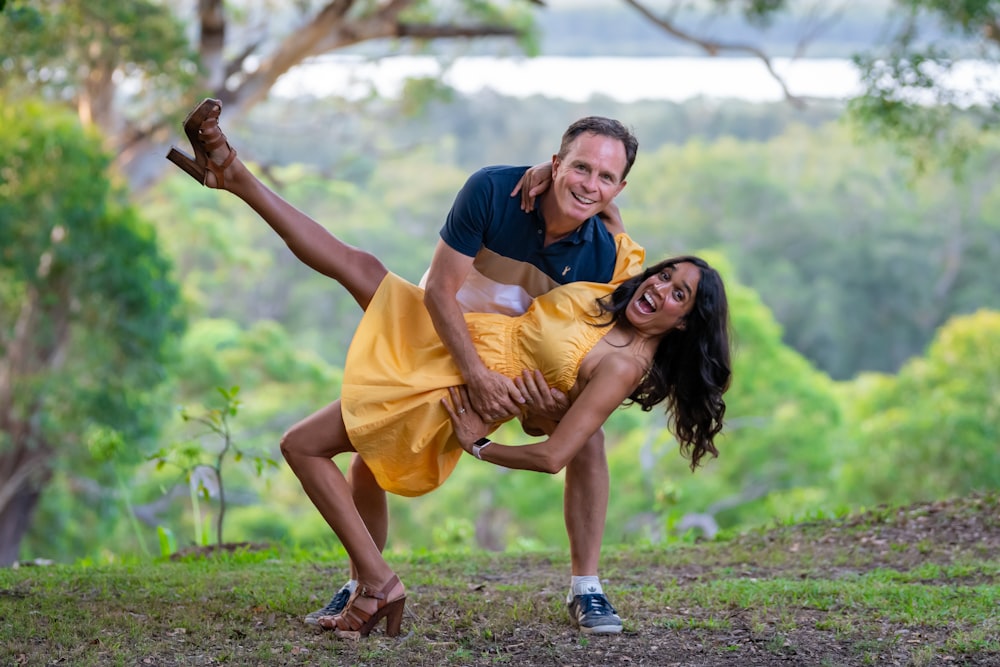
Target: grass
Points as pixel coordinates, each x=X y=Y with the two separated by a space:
x=914 y=586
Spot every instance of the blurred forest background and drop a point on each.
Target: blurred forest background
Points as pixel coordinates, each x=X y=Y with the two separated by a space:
x=860 y=240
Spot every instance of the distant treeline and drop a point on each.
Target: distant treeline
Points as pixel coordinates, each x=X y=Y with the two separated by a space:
x=775 y=187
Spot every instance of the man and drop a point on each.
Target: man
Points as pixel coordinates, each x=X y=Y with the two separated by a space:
x=495 y=257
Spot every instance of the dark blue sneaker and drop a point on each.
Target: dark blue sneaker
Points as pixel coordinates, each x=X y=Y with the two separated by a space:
x=332 y=608
x=594 y=615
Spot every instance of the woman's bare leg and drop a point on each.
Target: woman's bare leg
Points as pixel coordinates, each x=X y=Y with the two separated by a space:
x=309 y=447
x=370 y=500
x=358 y=271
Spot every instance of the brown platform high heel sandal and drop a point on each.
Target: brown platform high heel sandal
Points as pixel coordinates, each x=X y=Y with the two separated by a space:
x=355 y=622
x=202 y=129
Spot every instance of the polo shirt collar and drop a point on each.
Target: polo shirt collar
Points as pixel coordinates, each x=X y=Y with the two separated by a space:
x=582 y=234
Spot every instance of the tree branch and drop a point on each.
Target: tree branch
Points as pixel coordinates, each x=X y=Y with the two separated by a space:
x=713 y=47
x=425 y=31
x=335 y=28
x=820 y=24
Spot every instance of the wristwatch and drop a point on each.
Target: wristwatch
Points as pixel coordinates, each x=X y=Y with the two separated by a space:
x=479 y=445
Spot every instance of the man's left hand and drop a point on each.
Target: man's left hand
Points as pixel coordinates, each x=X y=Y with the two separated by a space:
x=542 y=402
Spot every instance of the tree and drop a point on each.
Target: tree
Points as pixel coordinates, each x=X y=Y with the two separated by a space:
x=913 y=85
x=88 y=53
x=87 y=308
x=92 y=54
x=916 y=87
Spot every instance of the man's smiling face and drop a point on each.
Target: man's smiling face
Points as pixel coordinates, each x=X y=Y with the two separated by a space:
x=589 y=176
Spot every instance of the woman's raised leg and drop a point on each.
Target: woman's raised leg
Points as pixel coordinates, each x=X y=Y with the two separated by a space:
x=358 y=271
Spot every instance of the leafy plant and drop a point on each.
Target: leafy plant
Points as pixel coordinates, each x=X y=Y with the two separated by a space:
x=201 y=465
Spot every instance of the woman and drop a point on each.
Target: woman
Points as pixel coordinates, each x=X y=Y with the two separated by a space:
x=660 y=336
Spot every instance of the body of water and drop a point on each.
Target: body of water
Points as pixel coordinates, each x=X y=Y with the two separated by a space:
x=623 y=79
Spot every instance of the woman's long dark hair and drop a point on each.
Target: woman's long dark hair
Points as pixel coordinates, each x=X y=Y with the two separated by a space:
x=691 y=367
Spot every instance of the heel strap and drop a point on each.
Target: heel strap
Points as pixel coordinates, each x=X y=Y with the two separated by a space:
x=365 y=591
x=212 y=138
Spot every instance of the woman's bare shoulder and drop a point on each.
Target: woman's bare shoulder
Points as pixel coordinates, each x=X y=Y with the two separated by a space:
x=618 y=368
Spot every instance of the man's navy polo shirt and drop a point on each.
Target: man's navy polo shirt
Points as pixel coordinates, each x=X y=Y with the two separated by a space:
x=485 y=222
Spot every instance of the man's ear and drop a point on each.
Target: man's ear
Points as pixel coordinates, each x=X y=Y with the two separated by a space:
x=621 y=186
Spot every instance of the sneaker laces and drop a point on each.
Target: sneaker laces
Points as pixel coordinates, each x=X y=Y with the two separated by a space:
x=595 y=603
x=336 y=603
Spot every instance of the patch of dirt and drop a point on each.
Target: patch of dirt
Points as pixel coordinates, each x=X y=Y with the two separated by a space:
x=210 y=550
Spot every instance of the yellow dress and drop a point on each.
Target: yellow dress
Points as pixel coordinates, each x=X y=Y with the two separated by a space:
x=398 y=370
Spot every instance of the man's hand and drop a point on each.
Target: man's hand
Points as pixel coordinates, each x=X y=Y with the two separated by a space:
x=534 y=182
x=494 y=397
x=544 y=406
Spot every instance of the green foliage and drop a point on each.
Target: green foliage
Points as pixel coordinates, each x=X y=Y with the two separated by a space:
x=89 y=311
x=932 y=429
x=72 y=49
x=168 y=543
x=911 y=94
x=281 y=381
x=107 y=446
x=95 y=263
x=756 y=12
x=419 y=92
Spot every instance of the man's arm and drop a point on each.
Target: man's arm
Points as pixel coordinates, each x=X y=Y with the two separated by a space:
x=492 y=395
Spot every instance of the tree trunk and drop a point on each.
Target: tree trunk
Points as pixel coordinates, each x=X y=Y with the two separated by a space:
x=24 y=472
x=25 y=456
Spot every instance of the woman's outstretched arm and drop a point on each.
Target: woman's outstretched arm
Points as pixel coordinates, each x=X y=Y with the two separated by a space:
x=611 y=383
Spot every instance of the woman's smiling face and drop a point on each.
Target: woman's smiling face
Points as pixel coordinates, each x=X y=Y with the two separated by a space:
x=663 y=300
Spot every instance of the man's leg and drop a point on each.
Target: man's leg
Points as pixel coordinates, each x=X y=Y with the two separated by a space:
x=585 y=509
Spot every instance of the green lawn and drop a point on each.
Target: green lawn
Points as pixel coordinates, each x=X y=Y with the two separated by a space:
x=895 y=586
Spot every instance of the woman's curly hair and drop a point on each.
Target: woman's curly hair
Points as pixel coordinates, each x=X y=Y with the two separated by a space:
x=691 y=367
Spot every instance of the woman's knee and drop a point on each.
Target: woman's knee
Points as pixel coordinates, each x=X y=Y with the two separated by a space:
x=302 y=441
x=320 y=434
x=289 y=444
